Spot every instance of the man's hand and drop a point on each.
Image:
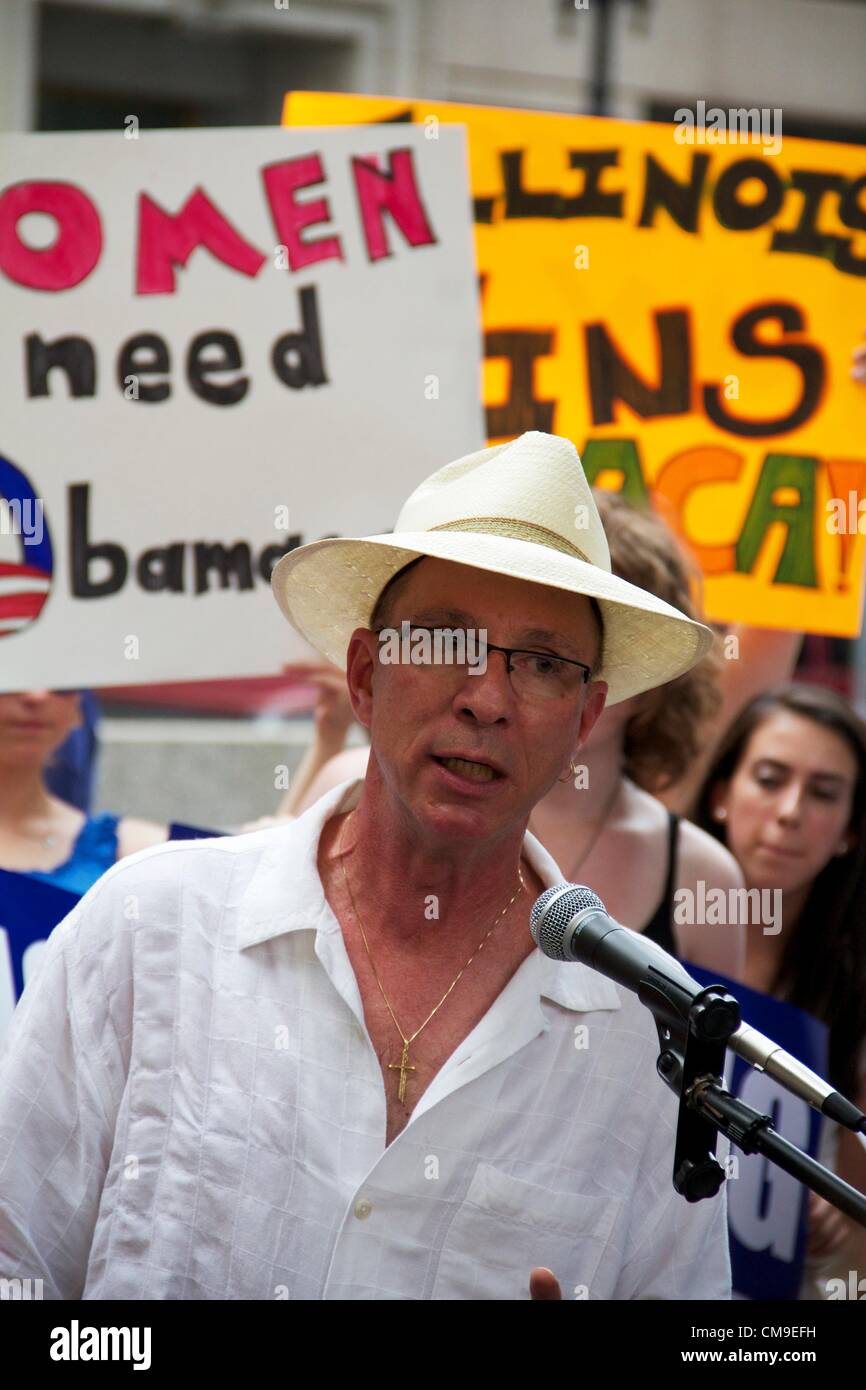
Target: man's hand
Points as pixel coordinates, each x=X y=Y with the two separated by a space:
x=543 y=1284
x=334 y=715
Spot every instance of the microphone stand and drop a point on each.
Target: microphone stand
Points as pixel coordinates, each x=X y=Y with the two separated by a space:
x=693 y=1035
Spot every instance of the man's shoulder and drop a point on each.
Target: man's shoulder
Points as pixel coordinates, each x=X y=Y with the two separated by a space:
x=156 y=885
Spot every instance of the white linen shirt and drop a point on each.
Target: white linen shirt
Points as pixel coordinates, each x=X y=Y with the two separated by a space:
x=191 y=1108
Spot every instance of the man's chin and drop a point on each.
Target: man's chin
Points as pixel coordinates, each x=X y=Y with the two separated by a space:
x=450 y=813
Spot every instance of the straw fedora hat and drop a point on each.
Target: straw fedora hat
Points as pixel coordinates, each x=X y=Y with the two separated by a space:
x=524 y=509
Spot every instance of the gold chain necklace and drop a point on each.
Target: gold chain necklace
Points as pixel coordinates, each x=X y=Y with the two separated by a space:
x=403 y=1065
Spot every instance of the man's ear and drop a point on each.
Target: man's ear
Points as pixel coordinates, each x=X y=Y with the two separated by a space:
x=593 y=707
x=361 y=662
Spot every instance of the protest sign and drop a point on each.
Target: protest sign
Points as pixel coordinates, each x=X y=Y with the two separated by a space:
x=683 y=306
x=29 y=911
x=767 y=1207
x=217 y=345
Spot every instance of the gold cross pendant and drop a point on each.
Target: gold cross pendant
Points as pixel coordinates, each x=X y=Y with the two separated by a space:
x=403 y=1067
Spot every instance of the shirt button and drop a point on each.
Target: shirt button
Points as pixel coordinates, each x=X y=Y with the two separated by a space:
x=363 y=1207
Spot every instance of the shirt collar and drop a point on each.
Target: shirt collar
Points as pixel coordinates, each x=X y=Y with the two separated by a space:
x=285 y=894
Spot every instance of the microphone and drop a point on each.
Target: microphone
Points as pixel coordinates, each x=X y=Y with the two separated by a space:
x=570 y=923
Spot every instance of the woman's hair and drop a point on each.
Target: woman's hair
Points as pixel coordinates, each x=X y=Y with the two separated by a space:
x=822 y=967
x=664 y=737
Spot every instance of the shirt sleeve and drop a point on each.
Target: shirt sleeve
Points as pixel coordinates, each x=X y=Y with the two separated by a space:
x=62 y=1072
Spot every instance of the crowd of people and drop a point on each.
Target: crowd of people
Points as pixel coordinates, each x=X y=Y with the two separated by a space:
x=773 y=772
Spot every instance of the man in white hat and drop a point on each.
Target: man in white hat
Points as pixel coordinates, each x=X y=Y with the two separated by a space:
x=330 y=1049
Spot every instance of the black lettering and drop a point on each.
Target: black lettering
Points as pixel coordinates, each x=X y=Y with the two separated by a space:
x=272 y=553
x=612 y=379
x=805 y=237
x=308 y=368
x=82 y=553
x=745 y=217
x=854 y=216
x=234 y=561
x=144 y=355
x=521 y=411
x=74 y=356
x=521 y=202
x=198 y=369
x=161 y=568
x=681 y=200
x=591 y=201
x=809 y=359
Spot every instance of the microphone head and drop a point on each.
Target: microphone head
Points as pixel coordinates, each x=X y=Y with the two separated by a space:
x=553 y=911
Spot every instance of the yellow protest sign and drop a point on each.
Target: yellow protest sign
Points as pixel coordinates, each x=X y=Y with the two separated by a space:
x=683 y=304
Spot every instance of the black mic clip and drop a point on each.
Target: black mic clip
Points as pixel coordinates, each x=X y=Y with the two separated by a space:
x=693 y=1035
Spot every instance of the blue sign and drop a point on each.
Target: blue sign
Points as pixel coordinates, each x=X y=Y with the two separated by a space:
x=178 y=831
x=767 y=1207
x=29 y=910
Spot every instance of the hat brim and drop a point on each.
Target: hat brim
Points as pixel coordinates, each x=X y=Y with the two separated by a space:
x=330 y=587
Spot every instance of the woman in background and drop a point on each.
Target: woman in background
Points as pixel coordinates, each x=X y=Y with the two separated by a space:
x=40 y=834
x=787 y=794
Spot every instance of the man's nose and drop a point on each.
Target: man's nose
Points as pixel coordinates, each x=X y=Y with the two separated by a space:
x=487 y=695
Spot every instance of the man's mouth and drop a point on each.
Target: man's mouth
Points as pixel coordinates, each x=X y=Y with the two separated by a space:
x=476 y=772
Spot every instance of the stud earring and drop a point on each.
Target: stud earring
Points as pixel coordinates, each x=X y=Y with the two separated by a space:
x=720 y=814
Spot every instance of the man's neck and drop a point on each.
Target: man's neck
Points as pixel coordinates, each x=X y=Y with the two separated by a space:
x=409 y=886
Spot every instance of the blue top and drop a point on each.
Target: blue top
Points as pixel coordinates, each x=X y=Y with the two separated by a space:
x=94 y=851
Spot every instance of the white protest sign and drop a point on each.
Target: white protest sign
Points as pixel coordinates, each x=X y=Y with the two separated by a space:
x=216 y=345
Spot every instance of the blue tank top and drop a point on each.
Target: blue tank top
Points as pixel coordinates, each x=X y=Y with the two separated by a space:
x=94 y=851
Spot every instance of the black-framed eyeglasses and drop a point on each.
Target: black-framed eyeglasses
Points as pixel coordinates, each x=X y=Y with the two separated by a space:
x=534 y=675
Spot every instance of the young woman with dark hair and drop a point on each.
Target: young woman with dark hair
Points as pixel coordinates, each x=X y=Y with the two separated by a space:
x=786 y=793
